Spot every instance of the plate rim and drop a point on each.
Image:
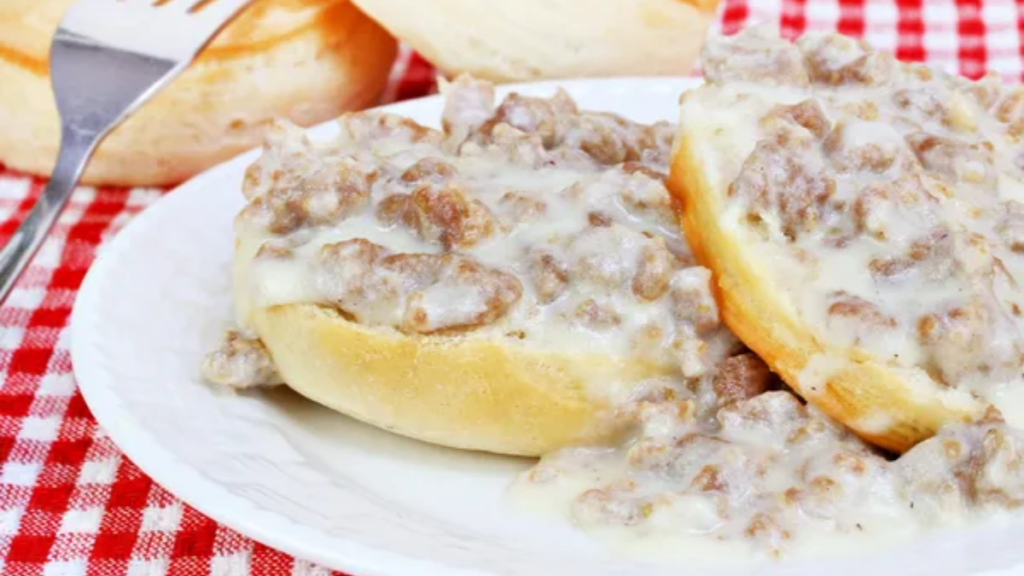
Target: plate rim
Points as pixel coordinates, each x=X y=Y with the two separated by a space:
x=268 y=527
x=180 y=480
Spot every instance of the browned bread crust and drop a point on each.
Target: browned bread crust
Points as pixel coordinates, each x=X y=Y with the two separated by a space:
x=306 y=60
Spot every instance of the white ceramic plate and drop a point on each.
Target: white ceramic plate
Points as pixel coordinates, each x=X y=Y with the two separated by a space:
x=313 y=483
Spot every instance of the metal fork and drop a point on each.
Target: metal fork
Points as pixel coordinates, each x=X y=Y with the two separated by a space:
x=108 y=58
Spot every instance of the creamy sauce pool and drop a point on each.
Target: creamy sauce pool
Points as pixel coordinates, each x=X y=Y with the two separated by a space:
x=707 y=478
x=515 y=195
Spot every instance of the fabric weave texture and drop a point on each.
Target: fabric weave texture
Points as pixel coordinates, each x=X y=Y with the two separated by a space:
x=72 y=505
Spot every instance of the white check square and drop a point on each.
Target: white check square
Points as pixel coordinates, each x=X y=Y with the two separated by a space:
x=57 y=384
x=9 y=520
x=81 y=521
x=230 y=565
x=65 y=568
x=98 y=471
x=42 y=428
x=148 y=567
x=161 y=518
x=19 y=473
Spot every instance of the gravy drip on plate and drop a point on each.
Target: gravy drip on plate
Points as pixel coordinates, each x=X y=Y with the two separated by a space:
x=883 y=196
x=887 y=199
x=730 y=465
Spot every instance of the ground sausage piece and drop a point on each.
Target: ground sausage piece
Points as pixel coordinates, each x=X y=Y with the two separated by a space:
x=433 y=292
x=356 y=250
x=794 y=186
x=873 y=153
x=986 y=91
x=657 y=150
x=512 y=145
x=333 y=193
x=838 y=60
x=958 y=340
x=453 y=292
x=807 y=114
x=550 y=277
x=903 y=198
x=632 y=187
x=610 y=139
x=599 y=220
x=634 y=167
x=349 y=277
x=325 y=194
x=1011 y=226
x=605 y=255
x=764 y=526
x=601 y=136
x=595 y=314
x=649 y=144
x=873 y=209
x=682 y=459
x=644 y=196
x=754 y=55
x=365 y=128
x=650 y=340
x=846 y=305
x=890 y=268
x=240 y=363
x=866 y=110
x=431 y=169
x=929 y=258
x=1011 y=109
x=872 y=69
x=537 y=116
x=517 y=208
x=692 y=302
x=773 y=415
x=607 y=506
x=556 y=125
x=274 y=251
x=1001 y=456
x=393 y=210
x=920 y=103
x=953 y=160
x=972 y=465
x=285 y=146
x=468 y=104
x=740 y=378
x=441 y=213
x=709 y=479
x=654 y=272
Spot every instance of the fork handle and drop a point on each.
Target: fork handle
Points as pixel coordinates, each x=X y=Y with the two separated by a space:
x=75 y=149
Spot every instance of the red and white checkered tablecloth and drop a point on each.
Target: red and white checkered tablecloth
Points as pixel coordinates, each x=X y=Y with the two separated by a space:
x=71 y=504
